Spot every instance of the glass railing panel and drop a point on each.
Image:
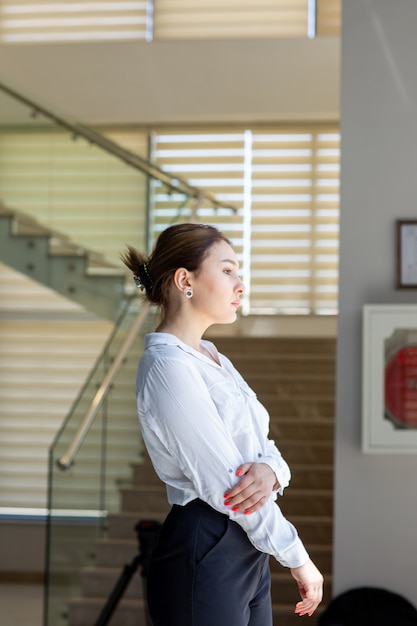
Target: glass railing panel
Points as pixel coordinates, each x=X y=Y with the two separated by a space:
x=81 y=497
x=71 y=185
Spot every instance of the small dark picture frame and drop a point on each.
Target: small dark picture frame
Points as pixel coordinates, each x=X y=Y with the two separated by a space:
x=406 y=254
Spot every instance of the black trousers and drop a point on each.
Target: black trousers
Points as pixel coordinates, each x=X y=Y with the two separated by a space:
x=205 y=572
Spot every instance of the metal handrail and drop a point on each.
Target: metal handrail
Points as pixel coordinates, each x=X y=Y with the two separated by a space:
x=67 y=459
x=173 y=183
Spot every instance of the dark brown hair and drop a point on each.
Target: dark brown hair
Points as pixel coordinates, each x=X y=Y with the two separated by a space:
x=182 y=245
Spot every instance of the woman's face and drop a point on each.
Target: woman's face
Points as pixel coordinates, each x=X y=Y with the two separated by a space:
x=216 y=286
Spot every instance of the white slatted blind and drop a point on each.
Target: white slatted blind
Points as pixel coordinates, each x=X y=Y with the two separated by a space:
x=211 y=161
x=285 y=184
x=60 y=20
x=328 y=18
x=147 y=20
x=76 y=188
x=48 y=345
x=199 y=19
x=295 y=221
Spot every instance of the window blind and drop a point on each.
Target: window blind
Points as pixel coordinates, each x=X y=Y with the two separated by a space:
x=199 y=19
x=285 y=185
x=60 y=20
x=214 y=161
x=328 y=17
x=147 y=20
x=294 y=237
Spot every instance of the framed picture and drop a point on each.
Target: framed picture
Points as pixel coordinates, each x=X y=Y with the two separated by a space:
x=389 y=378
x=406 y=254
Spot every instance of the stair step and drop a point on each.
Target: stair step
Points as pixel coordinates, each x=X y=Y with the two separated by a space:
x=314 y=530
x=122 y=525
x=304 y=347
x=303 y=452
x=144 y=498
x=311 y=476
x=308 y=430
x=115 y=552
x=307 y=502
x=99 y=582
x=286 y=367
x=144 y=474
x=291 y=385
x=85 y=611
x=308 y=406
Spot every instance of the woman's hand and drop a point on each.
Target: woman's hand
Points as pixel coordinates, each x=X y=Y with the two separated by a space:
x=253 y=489
x=310 y=584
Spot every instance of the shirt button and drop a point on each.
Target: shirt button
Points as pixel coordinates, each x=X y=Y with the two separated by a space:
x=259 y=455
x=230 y=471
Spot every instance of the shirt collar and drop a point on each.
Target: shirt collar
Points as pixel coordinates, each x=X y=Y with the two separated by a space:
x=158 y=339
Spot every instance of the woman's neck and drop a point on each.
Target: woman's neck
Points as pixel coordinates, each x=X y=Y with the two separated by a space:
x=188 y=337
x=186 y=333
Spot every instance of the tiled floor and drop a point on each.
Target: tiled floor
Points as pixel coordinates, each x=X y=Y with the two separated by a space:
x=21 y=605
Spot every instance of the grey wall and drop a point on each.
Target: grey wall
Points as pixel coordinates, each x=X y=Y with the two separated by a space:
x=375 y=495
x=22 y=545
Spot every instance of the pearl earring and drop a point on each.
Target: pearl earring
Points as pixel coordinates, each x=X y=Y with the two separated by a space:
x=188 y=293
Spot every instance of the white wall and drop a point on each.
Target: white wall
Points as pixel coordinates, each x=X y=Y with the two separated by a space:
x=375 y=496
x=253 y=80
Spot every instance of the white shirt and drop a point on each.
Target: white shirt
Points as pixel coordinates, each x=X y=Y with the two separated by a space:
x=199 y=422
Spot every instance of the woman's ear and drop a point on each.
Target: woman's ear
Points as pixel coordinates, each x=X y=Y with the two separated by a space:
x=182 y=279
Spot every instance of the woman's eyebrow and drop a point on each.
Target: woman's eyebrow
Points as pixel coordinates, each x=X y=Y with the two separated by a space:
x=229 y=261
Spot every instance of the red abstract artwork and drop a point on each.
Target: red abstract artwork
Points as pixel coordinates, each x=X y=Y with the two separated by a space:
x=401 y=388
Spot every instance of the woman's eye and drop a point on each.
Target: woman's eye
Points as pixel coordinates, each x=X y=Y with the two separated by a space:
x=227 y=271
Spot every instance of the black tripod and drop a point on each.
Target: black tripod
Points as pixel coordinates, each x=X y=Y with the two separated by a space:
x=147 y=532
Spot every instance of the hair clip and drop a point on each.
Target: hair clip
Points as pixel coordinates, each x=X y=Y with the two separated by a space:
x=143 y=281
x=138 y=282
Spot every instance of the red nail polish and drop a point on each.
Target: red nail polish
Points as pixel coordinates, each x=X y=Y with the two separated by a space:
x=235 y=508
x=246 y=512
x=227 y=503
x=239 y=472
x=226 y=495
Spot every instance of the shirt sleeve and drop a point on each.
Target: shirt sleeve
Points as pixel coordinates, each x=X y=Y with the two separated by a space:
x=275 y=461
x=179 y=411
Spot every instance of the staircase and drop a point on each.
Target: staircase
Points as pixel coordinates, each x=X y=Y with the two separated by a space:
x=294 y=378
x=53 y=260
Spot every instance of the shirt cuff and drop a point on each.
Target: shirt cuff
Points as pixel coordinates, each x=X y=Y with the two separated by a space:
x=295 y=556
x=282 y=474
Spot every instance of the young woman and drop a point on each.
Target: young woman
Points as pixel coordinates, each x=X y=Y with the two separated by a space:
x=207 y=436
